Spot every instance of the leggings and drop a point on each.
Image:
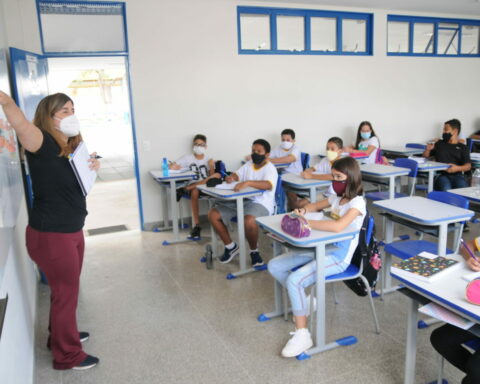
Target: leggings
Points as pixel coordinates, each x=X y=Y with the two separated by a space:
x=448 y=340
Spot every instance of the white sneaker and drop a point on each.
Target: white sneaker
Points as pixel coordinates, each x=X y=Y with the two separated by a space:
x=300 y=342
x=309 y=312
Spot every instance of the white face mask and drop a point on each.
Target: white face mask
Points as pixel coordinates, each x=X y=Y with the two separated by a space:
x=69 y=126
x=287 y=144
x=331 y=155
x=198 y=150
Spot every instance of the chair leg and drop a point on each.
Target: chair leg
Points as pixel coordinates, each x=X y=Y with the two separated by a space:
x=441 y=362
x=372 y=305
x=334 y=293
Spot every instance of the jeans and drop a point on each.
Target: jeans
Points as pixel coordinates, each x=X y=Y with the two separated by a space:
x=281 y=269
x=446 y=181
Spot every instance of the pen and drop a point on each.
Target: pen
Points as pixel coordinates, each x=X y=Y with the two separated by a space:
x=96 y=157
x=468 y=249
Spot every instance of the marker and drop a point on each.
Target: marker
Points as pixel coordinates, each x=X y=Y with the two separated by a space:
x=468 y=249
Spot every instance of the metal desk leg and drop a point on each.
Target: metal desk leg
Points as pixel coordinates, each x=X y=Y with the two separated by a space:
x=313 y=194
x=391 y=187
x=386 y=286
x=174 y=208
x=163 y=199
x=442 y=240
x=430 y=180
x=411 y=347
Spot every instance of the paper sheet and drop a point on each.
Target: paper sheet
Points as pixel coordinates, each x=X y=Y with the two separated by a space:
x=227 y=186
x=314 y=216
x=80 y=165
x=443 y=314
x=471 y=276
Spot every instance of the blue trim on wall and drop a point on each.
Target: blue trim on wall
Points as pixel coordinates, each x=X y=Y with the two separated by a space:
x=306 y=14
x=435 y=21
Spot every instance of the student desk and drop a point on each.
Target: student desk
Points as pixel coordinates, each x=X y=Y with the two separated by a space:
x=449 y=292
x=317 y=240
x=165 y=182
x=401 y=151
x=431 y=167
x=422 y=211
x=281 y=165
x=472 y=194
x=292 y=181
x=389 y=172
x=223 y=194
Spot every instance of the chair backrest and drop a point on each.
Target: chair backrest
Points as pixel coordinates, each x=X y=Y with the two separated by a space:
x=413 y=166
x=449 y=198
x=369 y=230
x=305 y=160
x=415 y=145
x=469 y=144
x=280 y=199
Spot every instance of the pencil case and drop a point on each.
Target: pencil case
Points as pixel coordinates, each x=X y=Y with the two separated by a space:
x=472 y=292
x=358 y=154
x=296 y=226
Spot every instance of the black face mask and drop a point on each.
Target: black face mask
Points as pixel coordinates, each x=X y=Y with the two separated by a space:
x=257 y=159
x=446 y=137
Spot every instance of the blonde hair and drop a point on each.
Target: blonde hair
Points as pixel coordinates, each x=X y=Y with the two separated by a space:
x=43 y=119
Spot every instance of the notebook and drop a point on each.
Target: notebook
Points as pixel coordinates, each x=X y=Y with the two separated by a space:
x=443 y=314
x=80 y=165
x=227 y=186
x=424 y=267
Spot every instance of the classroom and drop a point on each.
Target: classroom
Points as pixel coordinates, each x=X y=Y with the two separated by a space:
x=187 y=283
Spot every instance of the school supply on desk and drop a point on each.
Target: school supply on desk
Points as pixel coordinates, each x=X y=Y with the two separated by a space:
x=177 y=171
x=471 y=276
x=296 y=226
x=81 y=167
x=472 y=292
x=314 y=216
x=331 y=215
x=419 y=160
x=227 y=186
x=443 y=314
x=424 y=267
x=356 y=155
x=464 y=245
x=214 y=181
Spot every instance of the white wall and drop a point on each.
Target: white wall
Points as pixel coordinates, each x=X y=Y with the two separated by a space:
x=188 y=78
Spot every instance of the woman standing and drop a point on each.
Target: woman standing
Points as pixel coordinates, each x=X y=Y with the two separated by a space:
x=54 y=234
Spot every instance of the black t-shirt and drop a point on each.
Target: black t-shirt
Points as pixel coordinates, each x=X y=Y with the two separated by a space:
x=457 y=154
x=58 y=201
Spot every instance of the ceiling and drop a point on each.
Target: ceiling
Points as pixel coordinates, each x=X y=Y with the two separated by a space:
x=458 y=7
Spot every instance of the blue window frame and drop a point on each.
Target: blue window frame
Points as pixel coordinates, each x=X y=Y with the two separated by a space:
x=432 y=36
x=288 y=31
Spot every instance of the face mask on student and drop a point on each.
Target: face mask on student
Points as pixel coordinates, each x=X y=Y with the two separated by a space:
x=331 y=155
x=69 y=126
x=257 y=159
x=365 y=135
x=339 y=187
x=446 y=137
x=198 y=150
x=287 y=144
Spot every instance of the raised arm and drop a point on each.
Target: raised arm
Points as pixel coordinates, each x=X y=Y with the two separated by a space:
x=28 y=134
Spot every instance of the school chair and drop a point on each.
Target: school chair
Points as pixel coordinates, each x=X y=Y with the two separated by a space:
x=280 y=197
x=473 y=344
x=305 y=160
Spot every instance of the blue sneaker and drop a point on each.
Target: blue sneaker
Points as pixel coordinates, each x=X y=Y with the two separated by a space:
x=89 y=362
x=229 y=254
x=256 y=259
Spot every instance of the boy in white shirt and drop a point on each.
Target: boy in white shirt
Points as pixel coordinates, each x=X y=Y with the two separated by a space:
x=204 y=168
x=288 y=152
x=258 y=173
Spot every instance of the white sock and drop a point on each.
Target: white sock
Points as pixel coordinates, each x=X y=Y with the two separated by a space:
x=254 y=250
x=230 y=246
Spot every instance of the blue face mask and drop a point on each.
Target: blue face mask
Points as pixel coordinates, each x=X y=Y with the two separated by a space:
x=365 y=135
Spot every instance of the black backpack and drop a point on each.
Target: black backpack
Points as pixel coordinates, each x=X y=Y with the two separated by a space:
x=370 y=255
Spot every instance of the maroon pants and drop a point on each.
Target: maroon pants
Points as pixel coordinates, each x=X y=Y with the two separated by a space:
x=60 y=257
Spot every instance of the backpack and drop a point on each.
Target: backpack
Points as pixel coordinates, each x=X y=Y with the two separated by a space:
x=372 y=262
x=380 y=159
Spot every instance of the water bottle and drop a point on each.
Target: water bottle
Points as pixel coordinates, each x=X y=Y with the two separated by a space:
x=476 y=180
x=165 y=167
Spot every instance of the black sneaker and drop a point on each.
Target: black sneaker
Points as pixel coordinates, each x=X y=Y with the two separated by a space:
x=195 y=233
x=84 y=336
x=89 y=362
x=180 y=193
x=256 y=259
x=229 y=254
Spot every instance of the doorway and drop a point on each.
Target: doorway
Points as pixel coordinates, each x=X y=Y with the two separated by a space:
x=99 y=88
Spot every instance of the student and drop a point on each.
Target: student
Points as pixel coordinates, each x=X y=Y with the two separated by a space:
x=323 y=169
x=257 y=173
x=449 y=150
x=448 y=340
x=54 y=235
x=204 y=168
x=366 y=141
x=288 y=152
x=349 y=206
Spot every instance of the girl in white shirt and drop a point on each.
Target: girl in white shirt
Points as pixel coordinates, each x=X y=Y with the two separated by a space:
x=349 y=208
x=366 y=142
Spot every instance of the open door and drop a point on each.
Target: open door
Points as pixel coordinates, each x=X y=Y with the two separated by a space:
x=29 y=86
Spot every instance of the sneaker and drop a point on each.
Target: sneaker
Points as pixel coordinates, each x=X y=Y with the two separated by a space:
x=89 y=362
x=180 y=193
x=299 y=343
x=256 y=259
x=84 y=336
x=229 y=254
x=195 y=233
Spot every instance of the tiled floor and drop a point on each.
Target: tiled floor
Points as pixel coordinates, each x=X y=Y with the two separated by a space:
x=116 y=168
x=157 y=315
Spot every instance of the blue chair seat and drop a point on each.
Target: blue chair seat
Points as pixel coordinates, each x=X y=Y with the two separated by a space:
x=406 y=249
x=421 y=187
x=384 y=195
x=351 y=271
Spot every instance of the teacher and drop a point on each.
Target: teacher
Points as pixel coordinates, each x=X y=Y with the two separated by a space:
x=54 y=233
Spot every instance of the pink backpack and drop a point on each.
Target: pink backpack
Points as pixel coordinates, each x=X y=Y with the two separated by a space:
x=295 y=226
x=472 y=292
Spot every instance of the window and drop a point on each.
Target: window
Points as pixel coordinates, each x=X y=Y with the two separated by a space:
x=428 y=36
x=303 y=32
